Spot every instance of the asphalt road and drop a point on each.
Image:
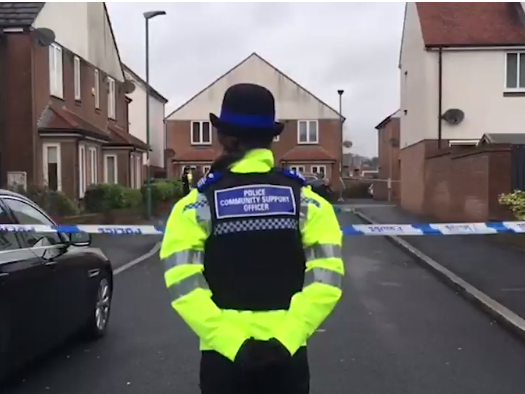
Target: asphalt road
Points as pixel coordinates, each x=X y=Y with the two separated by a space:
x=397 y=331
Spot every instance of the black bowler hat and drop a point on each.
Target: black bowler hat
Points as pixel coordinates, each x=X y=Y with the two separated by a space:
x=248 y=111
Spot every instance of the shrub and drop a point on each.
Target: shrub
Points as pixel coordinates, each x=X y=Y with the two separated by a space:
x=164 y=191
x=104 y=198
x=54 y=203
x=515 y=201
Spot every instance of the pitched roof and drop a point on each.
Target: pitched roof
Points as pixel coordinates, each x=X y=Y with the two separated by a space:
x=503 y=138
x=195 y=154
x=55 y=117
x=139 y=79
x=254 y=54
x=120 y=137
x=307 y=153
x=18 y=14
x=471 y=24
x=388 y=119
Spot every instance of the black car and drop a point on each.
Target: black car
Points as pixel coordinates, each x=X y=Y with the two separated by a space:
x=319 y=184
x=52 y=285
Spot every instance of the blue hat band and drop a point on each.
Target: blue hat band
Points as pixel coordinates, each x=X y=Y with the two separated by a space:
x=261 y=121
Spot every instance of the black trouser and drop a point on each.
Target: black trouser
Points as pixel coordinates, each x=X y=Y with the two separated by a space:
x=218 y=375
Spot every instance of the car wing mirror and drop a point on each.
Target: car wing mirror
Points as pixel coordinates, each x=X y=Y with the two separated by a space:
x=80 y=239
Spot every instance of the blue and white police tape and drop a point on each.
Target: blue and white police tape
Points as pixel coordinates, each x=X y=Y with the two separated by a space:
x=356 y=229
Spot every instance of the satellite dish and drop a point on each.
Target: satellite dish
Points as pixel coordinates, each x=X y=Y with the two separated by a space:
x=44 y=36
x=129 y=86
x=169 y=152
x=394 y=143
x=453 y=116
x=347 y=144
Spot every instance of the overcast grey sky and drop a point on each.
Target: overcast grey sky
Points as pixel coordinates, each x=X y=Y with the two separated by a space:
x=323 y=46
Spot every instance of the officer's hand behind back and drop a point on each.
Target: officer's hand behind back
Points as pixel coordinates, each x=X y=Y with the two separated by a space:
x=255 y=354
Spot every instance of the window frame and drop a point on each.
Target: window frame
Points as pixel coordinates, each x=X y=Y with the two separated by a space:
x=56 y=71
x=135 y=171
x=93 y=165
x=97 y=88
x=308 y=122
x=115 y=166
x=77 y=78
x=82 y=171
x=517 y=88
x=297 y=168
x=20 y=243
x=200 y=142
x=319 y=166
x=206 y=169
x=45 y=156
x=112 y=98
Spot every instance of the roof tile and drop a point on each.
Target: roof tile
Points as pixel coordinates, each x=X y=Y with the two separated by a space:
x=471 y=23
x=18 y=14
x=307 y=153
x=195 y=154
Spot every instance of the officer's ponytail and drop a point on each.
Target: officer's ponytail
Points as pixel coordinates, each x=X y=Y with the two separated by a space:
x=235 y=150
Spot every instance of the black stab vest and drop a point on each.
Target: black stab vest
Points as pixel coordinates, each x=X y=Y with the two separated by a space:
x=254 y=257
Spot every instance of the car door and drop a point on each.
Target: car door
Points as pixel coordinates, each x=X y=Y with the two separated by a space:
x=23 y=281
x=67 y=286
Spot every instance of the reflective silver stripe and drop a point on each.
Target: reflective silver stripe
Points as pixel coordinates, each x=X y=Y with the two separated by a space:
x=189 y=256
x=303 y=211
x=322 y=251
x=323 y=275
x=186 y=286
x=203 y=213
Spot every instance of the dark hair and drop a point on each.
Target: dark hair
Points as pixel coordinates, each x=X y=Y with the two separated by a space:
x=235 y=149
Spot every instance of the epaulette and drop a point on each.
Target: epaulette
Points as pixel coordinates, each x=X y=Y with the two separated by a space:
x=294 y=175
x=207 y=180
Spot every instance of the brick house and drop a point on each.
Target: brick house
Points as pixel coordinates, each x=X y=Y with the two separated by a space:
x=64 y=113
x=389 y=165
x=466 y=57
x=311 y=141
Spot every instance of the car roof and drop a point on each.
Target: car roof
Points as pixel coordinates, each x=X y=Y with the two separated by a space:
x=4 y=192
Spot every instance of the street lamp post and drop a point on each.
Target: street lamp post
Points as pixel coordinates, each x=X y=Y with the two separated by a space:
x=340 y=93
x=147 y=16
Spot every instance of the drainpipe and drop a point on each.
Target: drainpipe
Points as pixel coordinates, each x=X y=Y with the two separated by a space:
x=440 y=95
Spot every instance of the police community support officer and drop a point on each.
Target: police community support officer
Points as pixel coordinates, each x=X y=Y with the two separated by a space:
x=252 y=257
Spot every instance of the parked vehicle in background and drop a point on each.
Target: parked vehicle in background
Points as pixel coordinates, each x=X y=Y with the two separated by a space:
x=319 y=184
x=52 y=285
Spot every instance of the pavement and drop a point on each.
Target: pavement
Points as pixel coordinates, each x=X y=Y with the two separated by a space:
x=496 y=269
x=397 y=330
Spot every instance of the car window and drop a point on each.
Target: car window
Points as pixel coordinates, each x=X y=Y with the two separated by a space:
x=26 y=214
x=8 y=241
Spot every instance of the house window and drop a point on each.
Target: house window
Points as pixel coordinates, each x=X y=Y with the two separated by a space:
x=52 y=166
x=76 y=72
x=299 y=169
x=515 y=70
x=307 y=132
x=81 y=171
x=93 y=166
x=318 y=169
x=276 y=138
x=135 y=172
x=97 y=90
x=110 y=169
x=112 y=108
x=56 y=81
x=206 y=169
x=200 y=133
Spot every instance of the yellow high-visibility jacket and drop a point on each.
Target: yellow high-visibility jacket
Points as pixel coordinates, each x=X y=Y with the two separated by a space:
x=224 y=331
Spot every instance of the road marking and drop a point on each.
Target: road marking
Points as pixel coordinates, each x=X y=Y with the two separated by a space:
x=138 y=260
x=496 y=310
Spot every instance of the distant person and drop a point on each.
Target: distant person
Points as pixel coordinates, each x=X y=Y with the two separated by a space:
x=186 y=187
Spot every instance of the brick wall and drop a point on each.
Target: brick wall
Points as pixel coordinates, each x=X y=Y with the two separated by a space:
x=464 y=184
x=388 y=161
